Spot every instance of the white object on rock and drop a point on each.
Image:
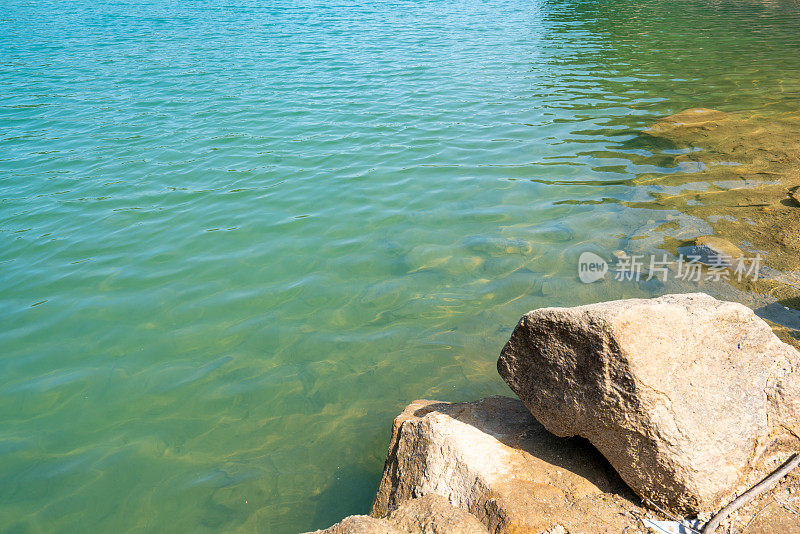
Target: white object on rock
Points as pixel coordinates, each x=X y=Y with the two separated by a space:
x=687 y=526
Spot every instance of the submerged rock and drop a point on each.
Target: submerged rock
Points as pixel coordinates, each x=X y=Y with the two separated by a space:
x=713 y=250
x=650 y=238
x=492 y=459
x=497 y=246
x=702 y=118
x=691 y=399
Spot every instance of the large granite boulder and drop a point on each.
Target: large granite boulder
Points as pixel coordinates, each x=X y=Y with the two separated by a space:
x=691 y=399
x=492 y=459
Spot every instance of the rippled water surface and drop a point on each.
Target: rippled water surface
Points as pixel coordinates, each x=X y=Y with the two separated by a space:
x=236 y=238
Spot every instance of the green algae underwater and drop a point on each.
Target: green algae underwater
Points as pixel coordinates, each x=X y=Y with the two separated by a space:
x=236 y=238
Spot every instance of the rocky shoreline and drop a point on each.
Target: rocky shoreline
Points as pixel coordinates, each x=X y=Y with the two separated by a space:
x=635 y=416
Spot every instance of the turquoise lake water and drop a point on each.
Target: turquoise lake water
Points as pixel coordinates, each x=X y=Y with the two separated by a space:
x=236 y=238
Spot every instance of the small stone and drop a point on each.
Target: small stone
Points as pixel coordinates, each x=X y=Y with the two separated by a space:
x=794 y=194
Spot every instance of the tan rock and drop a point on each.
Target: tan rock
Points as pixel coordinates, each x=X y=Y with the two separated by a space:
x=691 y=399
x=492 y=459
x=776 y=520
x=794 y=194
x=361 y=524
x=433 y=514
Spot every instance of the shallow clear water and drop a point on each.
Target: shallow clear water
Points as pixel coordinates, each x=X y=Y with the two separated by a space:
x=237 y=238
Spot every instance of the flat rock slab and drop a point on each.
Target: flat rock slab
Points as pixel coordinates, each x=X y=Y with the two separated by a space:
x=492 y=459
x=691 y=399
